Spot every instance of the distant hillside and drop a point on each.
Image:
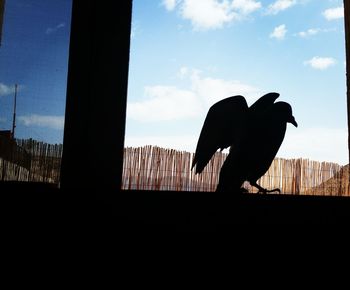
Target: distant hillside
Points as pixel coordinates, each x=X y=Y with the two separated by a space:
x=339 y=183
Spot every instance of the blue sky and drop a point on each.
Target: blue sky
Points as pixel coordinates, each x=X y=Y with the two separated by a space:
x=187 y=54
x=34 y=54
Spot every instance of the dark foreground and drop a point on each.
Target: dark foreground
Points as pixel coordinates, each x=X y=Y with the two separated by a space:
x=42 y=207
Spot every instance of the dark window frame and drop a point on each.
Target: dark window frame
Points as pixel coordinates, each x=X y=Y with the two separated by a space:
x=97 y=94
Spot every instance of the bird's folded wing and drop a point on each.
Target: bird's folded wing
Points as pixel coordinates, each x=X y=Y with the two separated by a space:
x=220 y=129
x=264 y=103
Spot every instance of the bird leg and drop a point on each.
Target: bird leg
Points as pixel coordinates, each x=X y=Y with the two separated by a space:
x=243 y=190
x=264 y=190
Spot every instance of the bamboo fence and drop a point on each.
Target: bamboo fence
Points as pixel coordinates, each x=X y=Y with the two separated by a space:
x=154 y=168
x=44 y=163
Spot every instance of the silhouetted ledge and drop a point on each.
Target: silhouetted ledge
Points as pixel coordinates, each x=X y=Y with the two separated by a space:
x=46 y=205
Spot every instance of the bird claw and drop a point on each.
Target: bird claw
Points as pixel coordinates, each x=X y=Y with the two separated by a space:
x=265 y=191
x=277 y=189
x=274 y=190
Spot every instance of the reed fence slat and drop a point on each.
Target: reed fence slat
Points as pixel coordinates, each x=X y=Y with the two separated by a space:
x=43 y=164
x=155 y=168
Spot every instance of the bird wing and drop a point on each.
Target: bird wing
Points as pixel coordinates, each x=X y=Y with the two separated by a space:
x=265 y=102
x=247 y=157
x=270 y=127
x=220 y=129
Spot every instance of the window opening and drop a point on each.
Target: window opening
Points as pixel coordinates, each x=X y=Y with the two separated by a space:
x=34 y=41
x=184 y=58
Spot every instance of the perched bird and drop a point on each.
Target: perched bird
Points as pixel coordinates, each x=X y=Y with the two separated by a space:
x=223 y=124
x=254 y=135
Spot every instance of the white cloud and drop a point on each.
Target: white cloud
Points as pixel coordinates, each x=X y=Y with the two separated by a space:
x=6 y=90
x=212 y=14
x=164 y=103
x=309 y=32
x=246 y=6
x=51 y=30
x=334 y=13
x=320 y=63
x=280 y=5
x=170 y=4
x=313 y=31
x=320 y=144
x=211 y=90
x=53 y=122
x=312 y=143
x=208 y=14
x=168 y=103
x=183 y=72
x=279 y=32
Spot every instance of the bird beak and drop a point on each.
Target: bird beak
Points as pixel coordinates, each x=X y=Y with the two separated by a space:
x=292 y=121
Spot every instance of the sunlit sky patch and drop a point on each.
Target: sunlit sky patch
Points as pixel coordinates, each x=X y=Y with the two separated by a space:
x=188 y=54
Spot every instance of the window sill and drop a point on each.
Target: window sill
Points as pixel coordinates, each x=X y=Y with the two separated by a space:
x=167 y=210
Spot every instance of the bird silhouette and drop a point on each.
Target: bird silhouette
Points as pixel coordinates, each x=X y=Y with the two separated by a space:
x=254 y=135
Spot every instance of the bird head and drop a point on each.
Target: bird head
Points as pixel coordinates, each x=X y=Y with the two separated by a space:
x=292 y=121
x=285 y=111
